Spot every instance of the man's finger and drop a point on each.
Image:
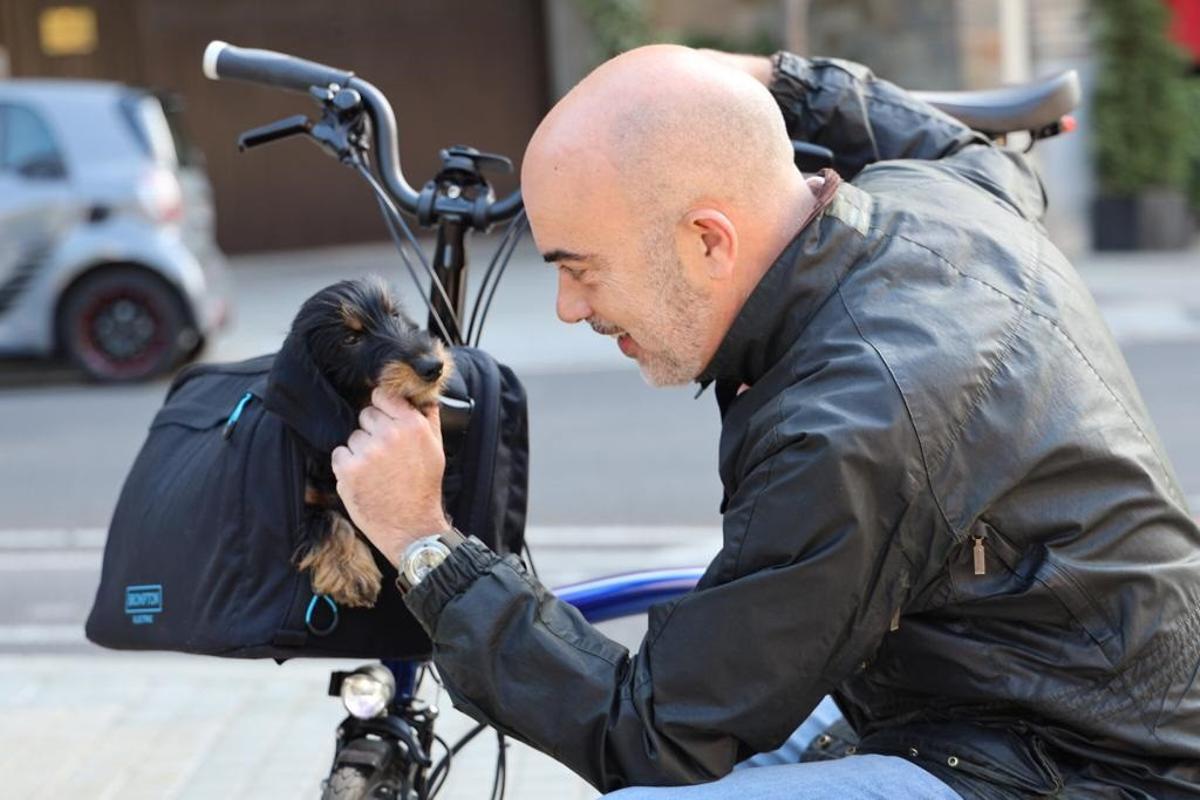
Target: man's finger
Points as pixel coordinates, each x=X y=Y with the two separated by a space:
x=392 y=406
x=339 y=457
x=371 y=419
x=358 y=441
x=433 y=413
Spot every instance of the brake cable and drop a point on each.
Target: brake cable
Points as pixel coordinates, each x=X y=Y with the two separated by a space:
x=521 y=225
x=393 y=219
x=442 y=769
x=391 y=226
x=513 y=227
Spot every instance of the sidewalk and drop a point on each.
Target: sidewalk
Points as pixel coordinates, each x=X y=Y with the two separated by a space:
x=1146 y=296
x=159 y=727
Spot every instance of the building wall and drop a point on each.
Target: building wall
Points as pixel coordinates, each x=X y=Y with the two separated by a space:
x=1061 y=39
x=733 y=24
x=914 y=43
x=456 y=71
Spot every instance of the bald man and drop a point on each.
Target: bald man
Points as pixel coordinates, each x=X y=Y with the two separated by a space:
x=945 y=505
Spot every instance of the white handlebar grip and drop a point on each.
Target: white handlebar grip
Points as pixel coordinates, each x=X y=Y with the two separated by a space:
x=211 y=54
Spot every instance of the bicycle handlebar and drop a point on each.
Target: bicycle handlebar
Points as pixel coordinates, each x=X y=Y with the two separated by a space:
x=387 y=144
x=223 y=61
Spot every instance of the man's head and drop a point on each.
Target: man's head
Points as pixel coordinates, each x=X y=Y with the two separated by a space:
x=662 y=186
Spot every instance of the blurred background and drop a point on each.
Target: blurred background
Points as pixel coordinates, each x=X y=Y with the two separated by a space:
x=134 y=237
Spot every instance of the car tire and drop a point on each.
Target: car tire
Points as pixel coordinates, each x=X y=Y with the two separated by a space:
x=124 y=324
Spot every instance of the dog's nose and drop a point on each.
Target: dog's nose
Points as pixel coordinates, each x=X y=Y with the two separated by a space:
x=428 y=368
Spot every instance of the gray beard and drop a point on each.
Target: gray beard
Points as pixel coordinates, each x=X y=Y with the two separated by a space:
x=685 y=311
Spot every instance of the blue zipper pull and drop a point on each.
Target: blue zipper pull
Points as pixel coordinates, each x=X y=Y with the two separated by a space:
x=235 y=414
x=312 y=607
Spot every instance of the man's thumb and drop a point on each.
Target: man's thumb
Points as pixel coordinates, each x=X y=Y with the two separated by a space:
x=433 y=413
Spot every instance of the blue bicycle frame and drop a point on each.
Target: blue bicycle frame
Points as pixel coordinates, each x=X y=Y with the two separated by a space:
x=598 y=600
x=629 y=593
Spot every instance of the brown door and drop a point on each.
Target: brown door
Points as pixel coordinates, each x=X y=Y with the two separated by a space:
x=456 y=71
x=102 y=40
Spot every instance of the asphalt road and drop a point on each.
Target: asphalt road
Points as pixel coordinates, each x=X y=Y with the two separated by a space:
x=609 y=455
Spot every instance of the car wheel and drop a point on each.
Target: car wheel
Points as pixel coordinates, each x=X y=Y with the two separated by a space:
x=124 y=324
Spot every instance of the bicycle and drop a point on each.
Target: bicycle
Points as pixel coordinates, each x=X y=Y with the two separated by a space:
x=385 y=744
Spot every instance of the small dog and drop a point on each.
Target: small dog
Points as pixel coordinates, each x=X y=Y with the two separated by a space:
x=359 y=338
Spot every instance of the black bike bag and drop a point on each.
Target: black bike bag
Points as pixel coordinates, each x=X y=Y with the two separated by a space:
x=199 y=552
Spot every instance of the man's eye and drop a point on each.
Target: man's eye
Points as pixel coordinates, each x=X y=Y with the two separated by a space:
x=574 y=273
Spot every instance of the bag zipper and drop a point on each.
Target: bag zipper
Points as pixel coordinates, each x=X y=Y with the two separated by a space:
x=235 y=415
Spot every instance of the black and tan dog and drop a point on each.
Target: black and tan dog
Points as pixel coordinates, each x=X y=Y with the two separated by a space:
x=358 y=338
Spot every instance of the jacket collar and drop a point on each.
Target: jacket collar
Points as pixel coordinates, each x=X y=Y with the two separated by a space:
x=301 y=396
x=795 y=287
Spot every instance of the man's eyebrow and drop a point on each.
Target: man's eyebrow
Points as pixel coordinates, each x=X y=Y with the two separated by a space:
x=566 y=255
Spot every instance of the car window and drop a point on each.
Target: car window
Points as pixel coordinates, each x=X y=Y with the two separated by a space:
x=172 y=106
x=147 y=117
x=26 y=145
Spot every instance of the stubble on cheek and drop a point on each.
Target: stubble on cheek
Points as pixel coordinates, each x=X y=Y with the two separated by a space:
x=677 y=358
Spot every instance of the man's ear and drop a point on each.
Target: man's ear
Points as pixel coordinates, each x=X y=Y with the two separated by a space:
x=711 y=243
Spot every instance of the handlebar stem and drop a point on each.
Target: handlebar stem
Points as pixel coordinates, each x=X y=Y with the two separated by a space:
x=450 y=266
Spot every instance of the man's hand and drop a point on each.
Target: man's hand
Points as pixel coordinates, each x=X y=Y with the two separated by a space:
x=757 y=67
x=389 y=473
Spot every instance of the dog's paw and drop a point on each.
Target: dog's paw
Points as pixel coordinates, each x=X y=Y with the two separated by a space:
x=342 y=566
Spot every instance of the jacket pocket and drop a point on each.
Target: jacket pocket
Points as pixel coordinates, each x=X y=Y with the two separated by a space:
x=986 y=565
x=1035 y=565
x=1056 y=578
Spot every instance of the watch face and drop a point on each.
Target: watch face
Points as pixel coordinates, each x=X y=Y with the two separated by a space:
x=421 y=561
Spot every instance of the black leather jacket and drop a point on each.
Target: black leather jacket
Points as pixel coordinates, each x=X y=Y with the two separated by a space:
x=945 y=504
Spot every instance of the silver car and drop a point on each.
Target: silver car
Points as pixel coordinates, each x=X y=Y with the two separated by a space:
x=107 y=248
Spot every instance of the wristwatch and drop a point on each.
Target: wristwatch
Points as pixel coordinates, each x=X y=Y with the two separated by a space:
x=424 y=555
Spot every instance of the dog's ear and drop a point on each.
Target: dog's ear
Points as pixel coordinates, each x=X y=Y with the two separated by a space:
x=321 y=306
x=300 y=394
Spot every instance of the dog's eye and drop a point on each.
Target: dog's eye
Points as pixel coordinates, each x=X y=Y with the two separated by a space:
x=352 y=338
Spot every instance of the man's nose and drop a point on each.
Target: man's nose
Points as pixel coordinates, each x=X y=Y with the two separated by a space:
x=571 y=305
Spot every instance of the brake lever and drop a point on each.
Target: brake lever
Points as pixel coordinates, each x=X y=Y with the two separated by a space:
x=406 y=735
x=468 y=160
x=342 y=129
x=274 y=131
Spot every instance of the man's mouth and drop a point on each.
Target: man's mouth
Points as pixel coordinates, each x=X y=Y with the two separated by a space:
x=624 y=340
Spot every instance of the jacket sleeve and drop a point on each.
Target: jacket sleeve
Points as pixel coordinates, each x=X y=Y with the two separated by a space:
x=864 y=119
x=811 y=575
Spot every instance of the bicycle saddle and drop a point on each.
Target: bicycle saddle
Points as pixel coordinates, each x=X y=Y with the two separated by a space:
x=1024 y=107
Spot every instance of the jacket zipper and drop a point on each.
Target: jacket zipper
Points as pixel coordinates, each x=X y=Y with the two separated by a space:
x=980 y=560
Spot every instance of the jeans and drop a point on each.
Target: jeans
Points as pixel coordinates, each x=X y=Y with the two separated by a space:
x=778 y=775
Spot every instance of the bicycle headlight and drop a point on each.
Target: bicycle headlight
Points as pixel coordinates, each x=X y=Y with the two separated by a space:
x=367 y=691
